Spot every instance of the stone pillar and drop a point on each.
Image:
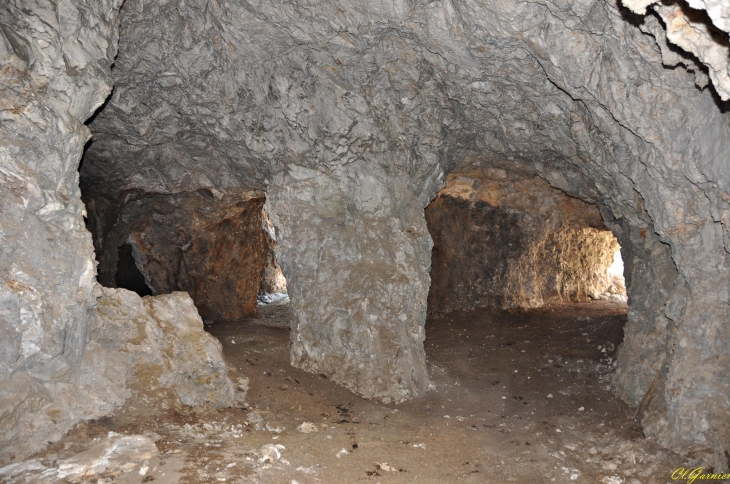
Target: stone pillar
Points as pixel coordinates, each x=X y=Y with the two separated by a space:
x=355 y=251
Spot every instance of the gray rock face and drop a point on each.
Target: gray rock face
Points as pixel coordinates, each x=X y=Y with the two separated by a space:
x=508 y=241
x=144 y=345
x=350 y=115
x=55 y=58
x=353 y=113
x=696 y=27
x=147 y=350
x=356 y=266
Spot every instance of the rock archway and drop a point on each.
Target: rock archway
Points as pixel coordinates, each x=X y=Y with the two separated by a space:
x=502 y=240
x=349 y=117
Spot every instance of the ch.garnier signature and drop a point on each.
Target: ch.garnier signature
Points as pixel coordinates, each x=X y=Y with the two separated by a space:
x=691 y=475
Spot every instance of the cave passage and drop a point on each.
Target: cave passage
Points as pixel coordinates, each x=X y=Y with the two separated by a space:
x=506 y=241
x=525 y=280
x=128 y=275
x=220 y=249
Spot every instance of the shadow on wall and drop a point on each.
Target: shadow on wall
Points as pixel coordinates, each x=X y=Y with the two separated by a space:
x=505 y=240
x=128 y=275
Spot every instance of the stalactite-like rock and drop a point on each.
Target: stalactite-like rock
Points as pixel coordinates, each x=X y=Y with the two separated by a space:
x=700 y=28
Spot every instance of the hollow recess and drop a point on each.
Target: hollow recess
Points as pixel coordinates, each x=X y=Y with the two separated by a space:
x=504 y=240
x=128 y=275
x=219 y=249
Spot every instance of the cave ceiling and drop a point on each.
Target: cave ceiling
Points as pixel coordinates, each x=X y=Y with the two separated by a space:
x=223 y=94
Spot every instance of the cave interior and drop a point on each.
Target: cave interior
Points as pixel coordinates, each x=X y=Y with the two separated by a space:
x=266 y=214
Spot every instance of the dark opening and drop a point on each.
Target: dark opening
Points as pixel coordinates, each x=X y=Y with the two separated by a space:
x=128 y=275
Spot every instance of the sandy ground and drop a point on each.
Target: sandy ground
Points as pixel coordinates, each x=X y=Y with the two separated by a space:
x=520 y=396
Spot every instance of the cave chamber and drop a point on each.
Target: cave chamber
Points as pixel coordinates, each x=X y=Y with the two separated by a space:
x=343 y=121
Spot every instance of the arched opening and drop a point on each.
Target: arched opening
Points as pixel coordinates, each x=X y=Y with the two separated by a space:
x=220 y=249
x=526 y=309
x=507 y=240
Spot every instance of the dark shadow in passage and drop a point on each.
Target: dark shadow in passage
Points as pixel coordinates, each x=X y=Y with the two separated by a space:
x=128 y=274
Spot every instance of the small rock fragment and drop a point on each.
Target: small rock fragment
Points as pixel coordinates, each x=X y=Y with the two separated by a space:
x=307 y=427
x=271 y=453
x=274 y=428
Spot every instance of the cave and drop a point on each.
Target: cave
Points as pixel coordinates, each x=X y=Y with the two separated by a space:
x=505 y=241
x=391 y=171
x=221 y=250
x=128 y=275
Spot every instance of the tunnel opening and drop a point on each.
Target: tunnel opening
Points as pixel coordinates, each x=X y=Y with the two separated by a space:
x=219 y=248
x=128 y=275
x=505 y=240
x=527 y=303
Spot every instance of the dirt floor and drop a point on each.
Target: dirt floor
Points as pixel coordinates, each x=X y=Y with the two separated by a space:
x=520 y=396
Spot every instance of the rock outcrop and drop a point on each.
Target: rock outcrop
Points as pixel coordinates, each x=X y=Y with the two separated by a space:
x=697 y=27
x=140 y=351
x=508 y=241
x=350 y=115
x=55 y=74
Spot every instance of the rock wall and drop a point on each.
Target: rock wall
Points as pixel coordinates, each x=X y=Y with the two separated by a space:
x=54 y=75
x=210 y=245
x=350 y=115
x=272 y=279
x=505 y=241
x=149 y=352
x=62 y=360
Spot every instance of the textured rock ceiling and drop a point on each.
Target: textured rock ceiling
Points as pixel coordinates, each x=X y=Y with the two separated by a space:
x=221 y=94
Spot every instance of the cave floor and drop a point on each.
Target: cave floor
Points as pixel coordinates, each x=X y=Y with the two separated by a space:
x=521 y=396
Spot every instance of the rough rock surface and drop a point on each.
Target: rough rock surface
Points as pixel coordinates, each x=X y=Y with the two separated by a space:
x=212 y=246
x=698 y=27
x=113 y=456
x=272 y=279
x=143 y=345
x=55 y=59
x=505 y=241
x=351 y=115
x=146 y=350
